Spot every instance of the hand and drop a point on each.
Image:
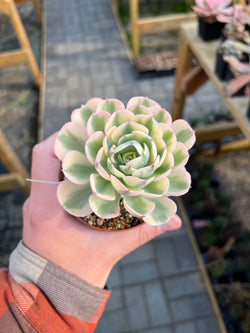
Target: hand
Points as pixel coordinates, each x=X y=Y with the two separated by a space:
x=59 y=237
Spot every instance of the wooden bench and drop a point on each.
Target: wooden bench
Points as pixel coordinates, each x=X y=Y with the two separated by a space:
x=24 y=54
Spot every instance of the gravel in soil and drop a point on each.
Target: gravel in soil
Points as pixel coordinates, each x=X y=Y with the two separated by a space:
x=121 y=222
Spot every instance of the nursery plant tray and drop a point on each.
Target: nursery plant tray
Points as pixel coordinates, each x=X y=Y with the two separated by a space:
x=158 y=64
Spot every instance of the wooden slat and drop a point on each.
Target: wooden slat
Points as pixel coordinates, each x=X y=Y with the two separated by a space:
x=14 y=57
x=217 y=131
x=134 y=14
x=13 y=163
x=163 y=23
x=4 y=7
x=9 y=181
x=193 y=80
x=235 y=145
x=205 y=53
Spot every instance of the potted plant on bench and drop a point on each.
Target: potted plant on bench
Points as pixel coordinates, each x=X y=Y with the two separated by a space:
x=212 y=16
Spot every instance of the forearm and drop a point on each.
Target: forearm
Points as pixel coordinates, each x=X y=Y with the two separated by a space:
x=41 y=296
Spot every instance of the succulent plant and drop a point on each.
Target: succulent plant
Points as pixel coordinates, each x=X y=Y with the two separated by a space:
x=135 y=154
x=217 y=9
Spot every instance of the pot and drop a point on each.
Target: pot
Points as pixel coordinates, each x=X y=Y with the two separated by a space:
x=209 y=31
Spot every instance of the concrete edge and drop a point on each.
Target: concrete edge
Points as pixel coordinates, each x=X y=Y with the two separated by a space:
x=208 y=285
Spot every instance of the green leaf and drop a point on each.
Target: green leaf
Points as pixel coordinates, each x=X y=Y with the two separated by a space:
x=138 y=206
x=179 y=182
x=104 y=208
x=77 y=168
x=71 y=137
x=74 y=198
x=102 y=187
x=164 y=210
x=93 y=145
x=184 y=133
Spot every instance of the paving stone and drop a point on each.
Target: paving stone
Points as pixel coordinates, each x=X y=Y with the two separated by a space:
x=191 y=307
x=184 y=251
x=137 y=314
x=115 y=300
x=159 y=313
x=184 y=285
x=166 y=256
x=186 y=328
x=139 y=272
x=113 y=322
x=144 y=252
x=158 y=330
x=207 y=325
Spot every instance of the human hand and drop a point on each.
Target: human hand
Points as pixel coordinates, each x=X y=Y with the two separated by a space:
x=59 y=237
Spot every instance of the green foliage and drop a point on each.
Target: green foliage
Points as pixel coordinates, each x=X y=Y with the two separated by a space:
x=123 y=12
x=180 y=7
x=217 y=268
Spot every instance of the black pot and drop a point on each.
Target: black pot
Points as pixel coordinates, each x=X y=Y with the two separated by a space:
x=222 y=68
x=248 y=111
x=209 y=31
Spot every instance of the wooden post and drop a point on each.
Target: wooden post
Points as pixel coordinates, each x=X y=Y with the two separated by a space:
x=184 y=63
x=134 y=13
x=17 y=172
x=25 y=54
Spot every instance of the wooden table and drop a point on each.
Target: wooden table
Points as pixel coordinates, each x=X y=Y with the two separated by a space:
x=188 y=79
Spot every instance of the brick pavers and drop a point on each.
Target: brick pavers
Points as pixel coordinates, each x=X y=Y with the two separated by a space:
x=157 y=288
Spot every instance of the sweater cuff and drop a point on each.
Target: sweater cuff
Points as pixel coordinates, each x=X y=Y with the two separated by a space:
x=68 y=293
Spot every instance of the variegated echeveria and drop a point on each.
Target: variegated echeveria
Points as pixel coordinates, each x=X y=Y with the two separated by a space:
x=136 y=154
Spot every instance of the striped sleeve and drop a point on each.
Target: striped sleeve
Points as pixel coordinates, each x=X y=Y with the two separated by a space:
x=38 y=296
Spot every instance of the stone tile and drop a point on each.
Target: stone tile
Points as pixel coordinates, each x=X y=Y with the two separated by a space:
x=166 y=256
x=184 y=285
x=144 y=252
x=191 y=307
x=158 y=311
x=139 y=272
x=207 y=325
x=186 y=328
x=113 y=322
x=138 y=317
x=115 y=300
x=158 y=330
x=184 y=252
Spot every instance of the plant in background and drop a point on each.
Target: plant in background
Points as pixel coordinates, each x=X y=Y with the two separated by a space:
x=134 y=155
x=214 y=10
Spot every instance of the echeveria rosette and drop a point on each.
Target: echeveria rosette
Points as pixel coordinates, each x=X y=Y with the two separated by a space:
x=136 y=154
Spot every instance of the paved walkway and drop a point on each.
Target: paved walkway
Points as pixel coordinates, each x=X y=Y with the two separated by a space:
x=158 y=288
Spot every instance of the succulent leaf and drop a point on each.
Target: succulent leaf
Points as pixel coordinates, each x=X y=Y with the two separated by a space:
x=138 y=206
x=184 y=133
x=164 y=209
x=102 y=187
x=70 y=137
x=179 y=182
x=103 y=208
x=92 y=146
x=76 y=167
x=74 y=198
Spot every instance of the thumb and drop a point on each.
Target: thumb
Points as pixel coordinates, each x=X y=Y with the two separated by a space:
x=148 y=232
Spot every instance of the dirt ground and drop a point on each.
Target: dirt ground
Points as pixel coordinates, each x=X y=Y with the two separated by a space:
x=233 y=170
